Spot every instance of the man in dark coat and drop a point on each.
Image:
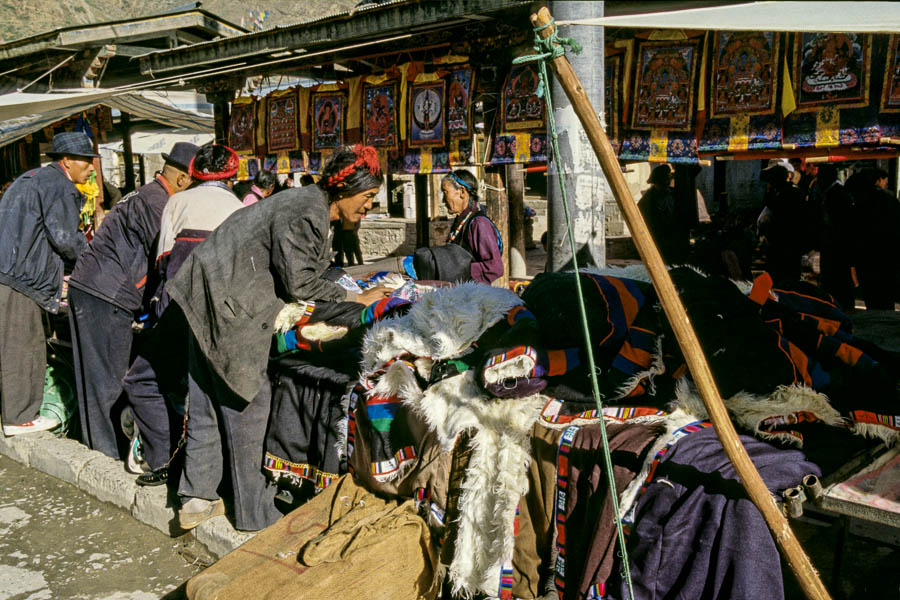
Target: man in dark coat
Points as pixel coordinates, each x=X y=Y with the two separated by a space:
x=107 y=288
x=230 y=290
x=39 y=217
x=785 y=227
x=657 y=206
x=837 y=236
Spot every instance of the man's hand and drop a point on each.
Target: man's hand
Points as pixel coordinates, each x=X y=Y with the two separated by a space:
x=373 y=295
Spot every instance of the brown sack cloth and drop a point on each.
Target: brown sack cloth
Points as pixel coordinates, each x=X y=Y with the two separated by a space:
x=343 y=543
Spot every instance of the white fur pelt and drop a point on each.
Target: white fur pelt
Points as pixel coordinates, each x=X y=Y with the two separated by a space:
x=639 y=272
x=441 y=325
x=289 y=315
x=749 y=410
x=889 y=436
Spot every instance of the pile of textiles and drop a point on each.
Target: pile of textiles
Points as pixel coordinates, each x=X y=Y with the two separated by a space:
x=474 y=403
x=314 y=359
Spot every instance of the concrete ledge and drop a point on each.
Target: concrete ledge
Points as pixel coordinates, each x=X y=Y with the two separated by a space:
x=62 y=458
x=153 y=507
x=20 y=447
x=106 y=479
x=219 y=536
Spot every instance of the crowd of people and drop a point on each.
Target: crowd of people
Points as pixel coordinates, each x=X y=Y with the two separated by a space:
x=854 y=226
x=172 y=304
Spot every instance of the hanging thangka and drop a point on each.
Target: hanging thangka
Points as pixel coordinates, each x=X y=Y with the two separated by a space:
x=665 y=84
x=426 y=114
x=890 y=98
x=281 y=122
x=744 y=73
x=327 y=121
x=240 y=130
x=381 y=115
x=831 y=69
x=522 y=107
x=459 y=105
x=612 y=82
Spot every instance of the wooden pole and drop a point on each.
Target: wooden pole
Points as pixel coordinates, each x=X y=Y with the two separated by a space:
x=684 y=333
x=423 y=233
x=498 y=211
x=515 y=190
x=127 y=154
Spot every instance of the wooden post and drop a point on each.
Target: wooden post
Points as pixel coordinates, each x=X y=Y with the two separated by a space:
x=684 y=333
x=498 y=212
x=127 y=153
x=515 y=190
x=423 y=233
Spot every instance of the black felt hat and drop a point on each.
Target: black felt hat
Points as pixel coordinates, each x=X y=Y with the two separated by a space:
x=72 y=143
x=181 y=155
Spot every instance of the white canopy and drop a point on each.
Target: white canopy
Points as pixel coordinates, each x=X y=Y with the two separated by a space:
x=863 y=17
x=158 y=141
x=22 y=113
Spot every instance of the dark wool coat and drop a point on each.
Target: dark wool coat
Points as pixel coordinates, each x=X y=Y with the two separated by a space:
x=233 y=285
x=38 y=230
x=116 y=263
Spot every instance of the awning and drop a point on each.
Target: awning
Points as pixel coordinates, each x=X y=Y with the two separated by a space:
x=22 y=113
x=865 y=17
x=158 y=141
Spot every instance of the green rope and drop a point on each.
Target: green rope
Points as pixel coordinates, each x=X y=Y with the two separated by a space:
x=552 y=47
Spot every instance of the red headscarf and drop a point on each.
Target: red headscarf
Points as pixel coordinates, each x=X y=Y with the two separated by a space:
x=231 y=167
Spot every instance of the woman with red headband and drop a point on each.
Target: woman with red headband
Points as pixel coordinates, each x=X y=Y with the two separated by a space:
x=230 y=289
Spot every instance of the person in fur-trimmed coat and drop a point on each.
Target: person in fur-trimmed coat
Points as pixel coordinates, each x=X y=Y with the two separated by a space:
x=230 y=289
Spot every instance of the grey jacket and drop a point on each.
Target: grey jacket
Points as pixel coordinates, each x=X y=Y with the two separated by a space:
x=233 y=285
x=39 y=217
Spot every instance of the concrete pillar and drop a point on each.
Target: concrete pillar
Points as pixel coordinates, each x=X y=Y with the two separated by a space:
x=586 y=187
x=515 y=190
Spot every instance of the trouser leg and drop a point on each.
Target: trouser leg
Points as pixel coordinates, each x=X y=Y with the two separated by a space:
x=202 y=471
x=23 y=357
x=101 y=339
x=245 y=433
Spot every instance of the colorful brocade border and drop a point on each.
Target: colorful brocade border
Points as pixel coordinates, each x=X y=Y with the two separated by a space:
x=320 y=478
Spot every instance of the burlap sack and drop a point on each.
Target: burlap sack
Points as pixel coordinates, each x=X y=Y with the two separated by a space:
x=345 y=543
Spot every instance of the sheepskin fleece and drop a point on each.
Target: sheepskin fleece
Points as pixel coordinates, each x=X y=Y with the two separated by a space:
x=749 y=410
x=441 y=325
x=289 y=315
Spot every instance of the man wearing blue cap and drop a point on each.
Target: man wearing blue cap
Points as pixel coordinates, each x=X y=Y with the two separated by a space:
x=39 y=217
x=108 y=286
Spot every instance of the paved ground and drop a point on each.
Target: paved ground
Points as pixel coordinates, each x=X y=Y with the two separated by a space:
x=56 y=542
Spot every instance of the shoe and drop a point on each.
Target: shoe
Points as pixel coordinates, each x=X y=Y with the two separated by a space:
x=153 y=478
x=39 y=424
x=135 y=463
x=196 y=510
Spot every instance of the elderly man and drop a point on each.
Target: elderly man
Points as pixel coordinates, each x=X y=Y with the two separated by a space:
x=107 y=288
x=39 y=217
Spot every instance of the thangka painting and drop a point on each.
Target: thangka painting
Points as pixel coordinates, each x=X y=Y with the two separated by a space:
x=832 y=69
x=522 y=107
x=240 y=130
x=459 y=103
x=890 y=98
x=612 y=83
x=664 y=86
x=381 y=115
x=744 y=73
x=426 y=114
x=327 y=121
x=281 y=122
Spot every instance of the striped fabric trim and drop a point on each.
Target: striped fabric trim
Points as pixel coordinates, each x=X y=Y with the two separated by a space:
x=320 y=478
x=562 y=484
x=506 y=569
x=383 y=470
x=863 y=416
x=352 y=398
x=551 y=410
x=596 y=592
x=496 y=359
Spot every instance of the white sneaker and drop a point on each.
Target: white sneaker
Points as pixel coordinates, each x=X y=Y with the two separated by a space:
x=39 y=424
x=135 y=463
